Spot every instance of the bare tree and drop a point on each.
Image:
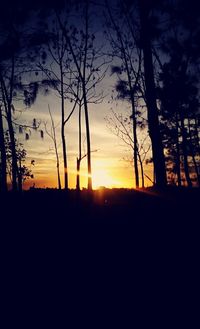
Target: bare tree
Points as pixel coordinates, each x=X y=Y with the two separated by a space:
x=120 y=125
x=53 y=63
x=125 y=87
x=88 y=67
x=52 y=135
x=150 y=94
x=7 y=96
x=3 y=174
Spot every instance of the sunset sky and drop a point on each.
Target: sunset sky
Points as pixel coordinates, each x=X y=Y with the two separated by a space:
x=109 y=168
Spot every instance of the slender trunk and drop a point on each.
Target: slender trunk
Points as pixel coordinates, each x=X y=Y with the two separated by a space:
x=141 y=168
x=56 y=149
x=82 y=76
x=58 y=174
x=132 y=96
x=185 y=154
x=153 y=122
x=197 y=135
x=13 y=151
x=135 y=152
x=20 y=177
x=7 y=100
x=193 y=154
x=87 y=126
x=3 y=181
x=63 y=131
x=78 y=162
x=133 y=116
x=80 y=150
x=178 y=164
x=15 y=171
x=196 y=168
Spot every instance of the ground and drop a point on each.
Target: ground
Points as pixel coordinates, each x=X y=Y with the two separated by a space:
x=107 y=253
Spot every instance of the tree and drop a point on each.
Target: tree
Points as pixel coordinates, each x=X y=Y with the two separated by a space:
x=3 y=175
x=179 y=92
x=150 y=95
x=24 y=172
x=179 y=107
x=87 y=65
x=120 y=125
x=126 y=51
x=13 y=65
x=136 y=17
x=53 y=63
x=7 y=96
x=52 y=135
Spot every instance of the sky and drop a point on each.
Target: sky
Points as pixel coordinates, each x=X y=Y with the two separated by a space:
x=109 y=168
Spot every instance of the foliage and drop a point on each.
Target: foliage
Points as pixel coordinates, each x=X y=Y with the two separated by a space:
x=24 y=172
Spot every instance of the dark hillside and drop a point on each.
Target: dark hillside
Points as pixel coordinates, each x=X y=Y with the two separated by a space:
x=105 y=253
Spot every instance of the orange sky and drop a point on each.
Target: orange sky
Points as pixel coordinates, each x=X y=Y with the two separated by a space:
x=108 y=167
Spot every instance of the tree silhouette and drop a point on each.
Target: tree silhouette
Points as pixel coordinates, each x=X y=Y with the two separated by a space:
x=52 y=135
x=3 y=174
x=121 y=126
x=126 y=51
x=150 y=94
x=14 y=65
x=179 y=92
x=24 y=172
x=88 y=67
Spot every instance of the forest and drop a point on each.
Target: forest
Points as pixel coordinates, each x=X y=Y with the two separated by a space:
x=77 y=78
x=148 y=51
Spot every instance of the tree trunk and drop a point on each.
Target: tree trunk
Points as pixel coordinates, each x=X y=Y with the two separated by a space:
x=196 y=127
x=141 y=168
x=152 y=110
x=196 y=168
x=82 y=77
x=3 y=178
x=185 y=153
x=193 y=155
x=80 y=150
x=13 y=150
x=20 y=177
x=55 y=147
x=63 y=131
x=87 y=126
x=58 y=174
x=7 y=100
x=178 y=167
x=78 y=174
x=132 y=95
x=135 y=152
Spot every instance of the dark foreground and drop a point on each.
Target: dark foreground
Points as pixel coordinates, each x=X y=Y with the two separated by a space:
x=101 y=257
x=105 y=204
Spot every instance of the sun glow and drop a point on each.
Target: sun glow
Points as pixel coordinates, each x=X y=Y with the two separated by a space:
x=101 y=177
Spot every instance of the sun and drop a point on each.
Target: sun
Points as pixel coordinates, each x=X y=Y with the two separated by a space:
x=101 y=177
